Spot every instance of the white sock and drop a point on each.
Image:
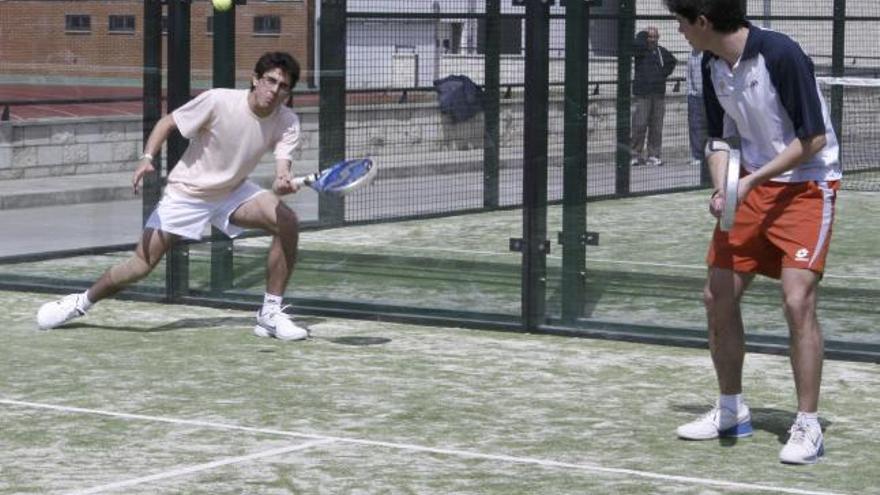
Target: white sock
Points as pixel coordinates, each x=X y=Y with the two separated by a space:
x=808 y=418
x=83 y=301
x=731 y=402
x=271 y=301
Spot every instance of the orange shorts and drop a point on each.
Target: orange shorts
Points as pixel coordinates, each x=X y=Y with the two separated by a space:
x=778 y=225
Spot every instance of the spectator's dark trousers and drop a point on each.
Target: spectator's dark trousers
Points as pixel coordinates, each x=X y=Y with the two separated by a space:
x=647 y=118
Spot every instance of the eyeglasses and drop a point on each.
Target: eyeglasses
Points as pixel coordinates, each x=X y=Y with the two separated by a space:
x=273 y=83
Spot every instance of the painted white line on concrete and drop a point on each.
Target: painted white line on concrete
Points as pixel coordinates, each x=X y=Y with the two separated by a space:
x=431 y=450
x=198 y=467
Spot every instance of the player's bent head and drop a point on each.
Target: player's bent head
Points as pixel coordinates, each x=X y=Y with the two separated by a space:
x=277 y=60
x=726 y=16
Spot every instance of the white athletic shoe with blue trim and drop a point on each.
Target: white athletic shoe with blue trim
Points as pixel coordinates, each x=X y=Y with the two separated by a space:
x=805 y=444
x=718 y=422
x=275 y=323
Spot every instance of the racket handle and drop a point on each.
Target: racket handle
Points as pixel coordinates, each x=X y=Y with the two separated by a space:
x=305 y=180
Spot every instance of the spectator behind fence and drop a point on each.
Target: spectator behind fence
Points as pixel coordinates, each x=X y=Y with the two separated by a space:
x=653 y=64
x=696 y=107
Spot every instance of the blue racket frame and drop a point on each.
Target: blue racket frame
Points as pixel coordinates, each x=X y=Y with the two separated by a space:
x=342 y=178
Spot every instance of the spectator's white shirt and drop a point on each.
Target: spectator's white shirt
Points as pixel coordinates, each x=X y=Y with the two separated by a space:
x=694 y=74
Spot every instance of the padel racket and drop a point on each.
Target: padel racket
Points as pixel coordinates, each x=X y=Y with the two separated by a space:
x=342 y=178
x=731 y=188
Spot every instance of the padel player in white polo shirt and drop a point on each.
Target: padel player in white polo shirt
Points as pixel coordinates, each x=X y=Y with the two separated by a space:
x=760 y=87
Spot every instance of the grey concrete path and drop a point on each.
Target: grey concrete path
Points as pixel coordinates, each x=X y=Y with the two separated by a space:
x=73 y=212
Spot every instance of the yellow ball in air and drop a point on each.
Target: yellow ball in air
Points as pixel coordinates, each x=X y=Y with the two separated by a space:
x=222 y=5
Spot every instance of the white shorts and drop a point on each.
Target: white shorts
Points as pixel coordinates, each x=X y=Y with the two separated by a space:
x=188 y=217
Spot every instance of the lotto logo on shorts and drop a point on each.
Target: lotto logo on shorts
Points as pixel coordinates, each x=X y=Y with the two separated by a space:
x=802 y=254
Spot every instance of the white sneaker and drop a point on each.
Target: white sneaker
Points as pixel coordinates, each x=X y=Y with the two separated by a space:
x=655 y=161
x=719 y=422
x=275 y=323
x=56 y=313
x=805 y=444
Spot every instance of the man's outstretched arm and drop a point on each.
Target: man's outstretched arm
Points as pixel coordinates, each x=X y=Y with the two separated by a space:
x=158 y=136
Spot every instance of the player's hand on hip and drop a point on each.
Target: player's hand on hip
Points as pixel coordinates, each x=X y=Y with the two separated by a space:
x=143 y=169
x=745 y=186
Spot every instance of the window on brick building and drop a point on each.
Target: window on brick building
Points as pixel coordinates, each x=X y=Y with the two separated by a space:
x=121 y=23
x=78 y=23
x=267 y=24
x=210 y=27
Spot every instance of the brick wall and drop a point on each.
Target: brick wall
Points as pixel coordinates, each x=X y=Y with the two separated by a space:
x=34 y=41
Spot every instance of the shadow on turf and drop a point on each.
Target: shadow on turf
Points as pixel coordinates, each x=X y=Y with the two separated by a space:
x=239 y=321
x=774 y=421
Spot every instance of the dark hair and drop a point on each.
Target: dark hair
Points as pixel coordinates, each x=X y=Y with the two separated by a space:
x=278 y=60
x=726 y=16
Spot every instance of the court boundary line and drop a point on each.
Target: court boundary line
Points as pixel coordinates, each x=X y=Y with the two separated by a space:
x=199 y=467
x=421 y=448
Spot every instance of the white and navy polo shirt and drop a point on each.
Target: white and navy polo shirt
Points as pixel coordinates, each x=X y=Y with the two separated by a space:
x=769 y=99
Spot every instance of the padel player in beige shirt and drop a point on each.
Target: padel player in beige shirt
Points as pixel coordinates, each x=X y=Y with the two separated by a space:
x=229 y=132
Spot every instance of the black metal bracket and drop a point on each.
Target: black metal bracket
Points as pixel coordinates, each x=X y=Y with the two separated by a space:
x=517 y=245
x=584 y=238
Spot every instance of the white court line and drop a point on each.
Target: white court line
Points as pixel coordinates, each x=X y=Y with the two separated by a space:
x=473 y=252
x=199 y=467
x=430 y=450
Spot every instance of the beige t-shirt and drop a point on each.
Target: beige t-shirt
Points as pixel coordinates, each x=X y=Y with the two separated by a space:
x=226 y=141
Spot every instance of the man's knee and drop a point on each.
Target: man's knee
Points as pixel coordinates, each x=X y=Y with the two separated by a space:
x=799 y=303
x=708 y=297
x=286 y=219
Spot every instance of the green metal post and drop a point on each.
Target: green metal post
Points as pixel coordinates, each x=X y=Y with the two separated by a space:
x=838 y=54
x=331 y=113
x=224 y=77
x=574 y=194
x=535 y=128
x=492 y=104
x=152 y=103
x=625 y=34
x=179 y=87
